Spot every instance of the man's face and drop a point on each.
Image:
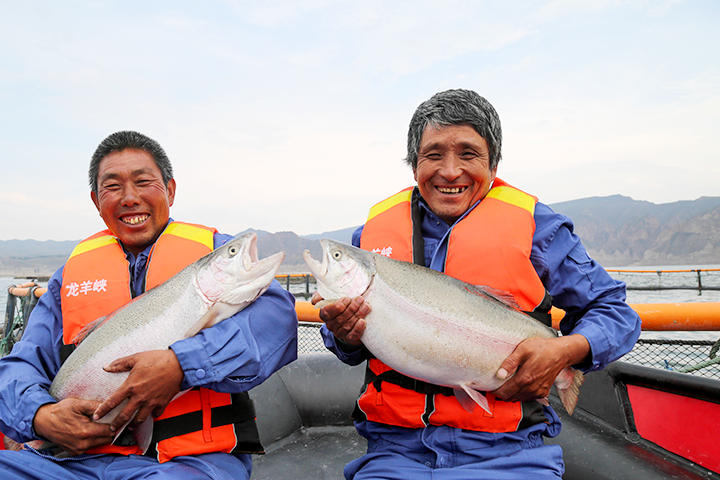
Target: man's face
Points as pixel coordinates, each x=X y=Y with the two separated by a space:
x=453 y=170
x=132 y=198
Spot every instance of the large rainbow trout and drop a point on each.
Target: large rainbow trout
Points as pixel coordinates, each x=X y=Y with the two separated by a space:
x=204 y=293
x=430 y=326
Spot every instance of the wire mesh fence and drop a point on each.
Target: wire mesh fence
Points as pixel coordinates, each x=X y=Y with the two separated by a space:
x=309 y=338
x=698 y=357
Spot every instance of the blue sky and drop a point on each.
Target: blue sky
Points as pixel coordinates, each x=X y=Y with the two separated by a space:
x=293 y=115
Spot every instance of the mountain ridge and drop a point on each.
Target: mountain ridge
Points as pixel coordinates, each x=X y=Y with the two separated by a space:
x=616 y=230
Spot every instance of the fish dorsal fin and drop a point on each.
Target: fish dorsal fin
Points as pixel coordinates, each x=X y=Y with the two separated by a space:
x=499 y=296
x=89 y=328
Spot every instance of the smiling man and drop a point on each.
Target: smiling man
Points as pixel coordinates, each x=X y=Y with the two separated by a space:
x=208 y=432
x=463 y=220
x=132 y=196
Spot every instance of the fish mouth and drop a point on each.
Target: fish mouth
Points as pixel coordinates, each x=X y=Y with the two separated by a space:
x=250 y=252
x=348 y=279
x=318 y=269
x=252 y=262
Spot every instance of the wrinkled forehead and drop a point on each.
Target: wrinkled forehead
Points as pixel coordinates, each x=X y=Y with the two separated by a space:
x=464 y=134
x=130 y=162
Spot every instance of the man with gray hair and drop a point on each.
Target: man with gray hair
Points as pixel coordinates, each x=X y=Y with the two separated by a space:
x=209 y=430
x=464 y=221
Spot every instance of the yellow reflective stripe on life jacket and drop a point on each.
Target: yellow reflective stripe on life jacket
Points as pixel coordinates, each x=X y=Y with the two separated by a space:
x=191 y=232
x=388 y=203
x=92 y=244
x=514 y=197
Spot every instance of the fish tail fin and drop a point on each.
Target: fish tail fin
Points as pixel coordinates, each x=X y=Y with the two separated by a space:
x=568 y=386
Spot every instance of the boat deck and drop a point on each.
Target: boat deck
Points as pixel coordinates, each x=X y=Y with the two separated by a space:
x=304 y=421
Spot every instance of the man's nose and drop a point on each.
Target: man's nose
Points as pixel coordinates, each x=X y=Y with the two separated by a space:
x=451 y=167
x=131 y=195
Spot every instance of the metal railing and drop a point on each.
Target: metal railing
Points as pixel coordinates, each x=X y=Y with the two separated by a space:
x=297 y=283
x=21 y=300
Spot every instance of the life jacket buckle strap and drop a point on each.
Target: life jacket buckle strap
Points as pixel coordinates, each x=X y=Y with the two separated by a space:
x=397 y=378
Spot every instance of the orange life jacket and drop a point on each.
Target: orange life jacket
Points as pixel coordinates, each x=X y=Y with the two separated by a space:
x=490 y=246
x=96 y=281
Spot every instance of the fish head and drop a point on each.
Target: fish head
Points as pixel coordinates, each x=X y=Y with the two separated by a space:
x=345 y=271
x=233 y=274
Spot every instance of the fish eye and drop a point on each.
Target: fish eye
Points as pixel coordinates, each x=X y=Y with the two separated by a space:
x=233 y=250
x=337 y=254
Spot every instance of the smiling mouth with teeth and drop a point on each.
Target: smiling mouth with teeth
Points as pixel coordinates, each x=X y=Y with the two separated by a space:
x=451 y=190
x=134 y=220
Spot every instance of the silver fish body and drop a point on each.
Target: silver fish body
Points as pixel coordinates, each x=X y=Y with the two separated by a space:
x=204 y=293
x=431 y=326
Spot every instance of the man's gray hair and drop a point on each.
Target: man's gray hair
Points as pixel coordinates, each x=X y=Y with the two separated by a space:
x=456 y=107
x=119 y=141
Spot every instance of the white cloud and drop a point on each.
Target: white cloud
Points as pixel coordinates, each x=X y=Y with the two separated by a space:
x=293 y=116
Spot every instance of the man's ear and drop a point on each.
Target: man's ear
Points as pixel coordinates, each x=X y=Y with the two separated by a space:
x=171 y=191
x=94 y=198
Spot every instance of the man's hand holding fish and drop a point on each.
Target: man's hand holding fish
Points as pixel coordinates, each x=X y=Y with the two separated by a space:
x=154 y=379
x=344 y=317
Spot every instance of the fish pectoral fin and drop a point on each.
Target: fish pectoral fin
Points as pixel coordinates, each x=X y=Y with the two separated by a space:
x=468 y=397
x=180 y=394
x=143 y=434
x=217 y=313
x=323 y=303
x=501 y=296
x=244 y=295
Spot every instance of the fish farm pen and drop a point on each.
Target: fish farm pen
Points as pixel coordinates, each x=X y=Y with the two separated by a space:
x=657 y=280
x=696 y=356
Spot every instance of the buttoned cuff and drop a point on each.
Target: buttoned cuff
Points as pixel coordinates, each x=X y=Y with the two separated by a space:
x=195 y=362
